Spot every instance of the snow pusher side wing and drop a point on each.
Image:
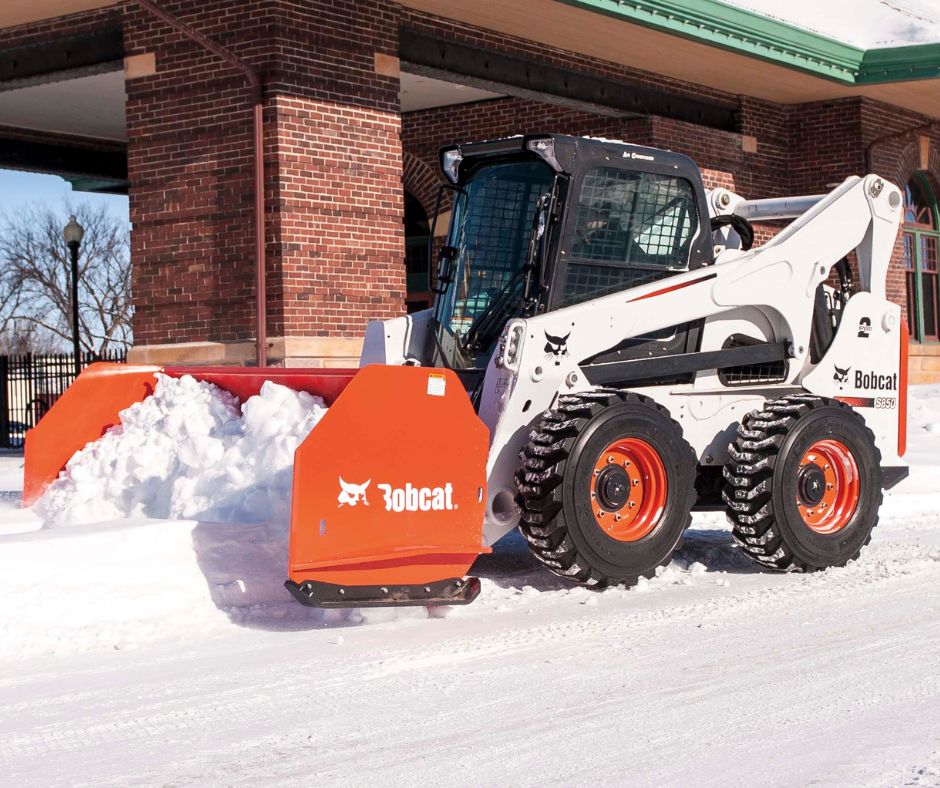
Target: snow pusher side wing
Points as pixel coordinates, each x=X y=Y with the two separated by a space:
x=389 y=494
x=94 y=401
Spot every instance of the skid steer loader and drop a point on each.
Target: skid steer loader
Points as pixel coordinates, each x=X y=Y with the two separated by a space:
x=606 y=353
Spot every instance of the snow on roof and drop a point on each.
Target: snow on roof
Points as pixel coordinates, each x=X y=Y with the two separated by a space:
x=867 y=24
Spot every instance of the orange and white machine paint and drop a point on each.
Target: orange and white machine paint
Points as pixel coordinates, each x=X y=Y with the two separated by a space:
x=404 y=482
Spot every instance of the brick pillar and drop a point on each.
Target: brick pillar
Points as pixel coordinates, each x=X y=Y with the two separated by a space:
x=339 y=199
x=333 y=180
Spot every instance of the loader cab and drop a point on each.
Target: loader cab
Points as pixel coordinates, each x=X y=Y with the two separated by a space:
x=543 y=222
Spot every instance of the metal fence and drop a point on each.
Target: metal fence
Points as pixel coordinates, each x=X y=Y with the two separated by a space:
x=30 y=384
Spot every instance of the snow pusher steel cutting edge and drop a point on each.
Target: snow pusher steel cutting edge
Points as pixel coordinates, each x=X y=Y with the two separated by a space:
x=388 y=489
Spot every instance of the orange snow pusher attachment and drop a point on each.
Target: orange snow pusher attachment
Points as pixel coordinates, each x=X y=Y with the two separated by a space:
x=389 y=488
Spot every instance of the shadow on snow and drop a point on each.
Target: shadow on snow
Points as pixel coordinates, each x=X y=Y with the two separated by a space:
x=245 y=567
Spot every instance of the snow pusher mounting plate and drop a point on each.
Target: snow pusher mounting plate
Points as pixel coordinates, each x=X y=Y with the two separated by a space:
x=94 y=401
x=455 y=591
x=389 y=493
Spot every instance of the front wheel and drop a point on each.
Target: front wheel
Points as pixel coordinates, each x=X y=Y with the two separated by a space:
x=606 y=488
x=804 y=485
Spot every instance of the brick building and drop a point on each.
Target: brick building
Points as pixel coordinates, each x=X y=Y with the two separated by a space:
x=357 y=97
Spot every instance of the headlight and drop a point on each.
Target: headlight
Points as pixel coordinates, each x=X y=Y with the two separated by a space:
x=450 y=163
x=544 y=148
x=510 y=345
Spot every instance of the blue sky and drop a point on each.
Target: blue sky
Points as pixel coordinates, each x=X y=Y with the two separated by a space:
x=19 y=188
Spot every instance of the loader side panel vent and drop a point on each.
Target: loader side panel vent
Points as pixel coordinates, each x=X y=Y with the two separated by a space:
x=751 y=374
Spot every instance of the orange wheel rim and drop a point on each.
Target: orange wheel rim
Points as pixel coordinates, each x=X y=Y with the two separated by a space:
x=828 y=486
x=628 y=489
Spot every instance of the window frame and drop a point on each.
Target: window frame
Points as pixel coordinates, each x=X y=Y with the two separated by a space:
x=917 y=232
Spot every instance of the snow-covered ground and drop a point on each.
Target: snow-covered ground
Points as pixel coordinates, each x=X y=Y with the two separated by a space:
x=143 y=651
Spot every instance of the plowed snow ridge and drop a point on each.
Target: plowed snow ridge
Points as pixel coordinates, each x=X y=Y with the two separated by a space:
x=189 y=452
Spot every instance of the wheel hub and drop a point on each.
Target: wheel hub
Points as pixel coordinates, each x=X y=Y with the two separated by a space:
x=613 y=488
x=628 y=489
x=812 y=484
x=828 y=486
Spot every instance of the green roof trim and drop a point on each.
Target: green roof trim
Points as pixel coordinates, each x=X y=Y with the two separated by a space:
x=737 y=30
x=899 y=64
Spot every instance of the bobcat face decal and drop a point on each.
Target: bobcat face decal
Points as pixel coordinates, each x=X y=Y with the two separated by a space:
x=556 y=347
x=841 y=375
x=352 y=494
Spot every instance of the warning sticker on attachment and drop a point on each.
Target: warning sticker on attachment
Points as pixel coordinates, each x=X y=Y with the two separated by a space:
x=437 y=384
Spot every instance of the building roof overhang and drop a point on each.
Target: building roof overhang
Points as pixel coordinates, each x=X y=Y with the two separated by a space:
x=709 y=43
x=23 y=12
x=698 y=41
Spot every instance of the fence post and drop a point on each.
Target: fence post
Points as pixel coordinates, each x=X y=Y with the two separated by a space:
x=5 y=441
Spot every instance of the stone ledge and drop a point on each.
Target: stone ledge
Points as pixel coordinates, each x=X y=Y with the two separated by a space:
x=282 y=351
x=927 y=349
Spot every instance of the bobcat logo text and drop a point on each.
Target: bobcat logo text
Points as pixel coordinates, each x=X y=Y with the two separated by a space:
x=418 y=499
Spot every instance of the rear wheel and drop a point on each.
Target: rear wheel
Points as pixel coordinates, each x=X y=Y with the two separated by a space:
x=606 y=487
x=803 y=487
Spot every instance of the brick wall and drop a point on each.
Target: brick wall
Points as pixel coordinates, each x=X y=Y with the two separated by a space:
x=339 y=201
x=332 y=161
x=337 y=152
x=190 y=170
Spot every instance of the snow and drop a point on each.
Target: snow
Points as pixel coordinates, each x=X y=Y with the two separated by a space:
x=188 y=451
x=868 y=24
x=143 y=650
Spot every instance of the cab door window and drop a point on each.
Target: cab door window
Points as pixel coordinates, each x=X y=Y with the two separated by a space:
x=630 y=228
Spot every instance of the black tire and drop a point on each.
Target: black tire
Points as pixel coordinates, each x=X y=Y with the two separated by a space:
x=762 y=483
x=555 y=483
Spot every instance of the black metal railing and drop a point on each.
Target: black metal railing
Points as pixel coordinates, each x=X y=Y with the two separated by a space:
x=31 y=383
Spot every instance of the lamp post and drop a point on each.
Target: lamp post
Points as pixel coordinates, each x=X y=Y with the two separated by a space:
x=73 y=234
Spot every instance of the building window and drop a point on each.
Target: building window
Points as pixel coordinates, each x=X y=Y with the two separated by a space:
x=921 y=269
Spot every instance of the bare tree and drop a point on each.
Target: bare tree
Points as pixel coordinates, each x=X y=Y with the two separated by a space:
x=35 y=278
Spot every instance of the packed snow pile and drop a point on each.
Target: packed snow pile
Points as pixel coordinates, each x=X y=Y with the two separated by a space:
x=189 y=452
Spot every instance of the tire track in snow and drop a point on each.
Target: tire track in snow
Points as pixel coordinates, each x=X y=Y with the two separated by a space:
x=233 y=697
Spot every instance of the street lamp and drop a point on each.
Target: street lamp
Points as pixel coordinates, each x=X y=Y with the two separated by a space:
x=73 y=234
